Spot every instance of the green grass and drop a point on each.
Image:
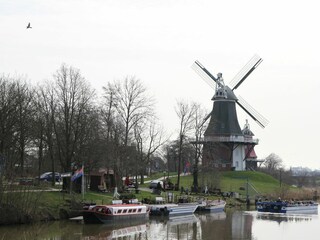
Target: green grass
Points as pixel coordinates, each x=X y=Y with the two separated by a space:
x=263 y=183
x=234 y=180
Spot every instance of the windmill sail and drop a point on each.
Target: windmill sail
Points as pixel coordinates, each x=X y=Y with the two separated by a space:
x=245 y=72
x=262 y=121
x=204 y=74
x=227 y=92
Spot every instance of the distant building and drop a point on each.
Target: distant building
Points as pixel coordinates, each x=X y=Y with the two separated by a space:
x=301 y=171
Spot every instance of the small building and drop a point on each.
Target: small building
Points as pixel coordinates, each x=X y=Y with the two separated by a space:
x=102 y=179
x=250 y=155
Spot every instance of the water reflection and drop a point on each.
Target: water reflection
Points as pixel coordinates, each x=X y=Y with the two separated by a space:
x=284 y=218
x=115 y=232
x=284 y=226
x=178 y=227
x=249 y=225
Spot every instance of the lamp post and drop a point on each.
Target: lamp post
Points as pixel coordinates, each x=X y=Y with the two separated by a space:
x=168 y=156
x=164 y=179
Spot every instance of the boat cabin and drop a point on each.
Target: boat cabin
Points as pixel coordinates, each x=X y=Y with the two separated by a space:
x=121 y=209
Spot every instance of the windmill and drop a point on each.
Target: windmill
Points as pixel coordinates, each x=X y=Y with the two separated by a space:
x=224 y=144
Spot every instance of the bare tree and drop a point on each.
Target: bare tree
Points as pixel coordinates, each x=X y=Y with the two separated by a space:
x=199 y=128
x=185 y=111
x=133 y=106
x=149 y=138
x=108 y=109
x=273 y=163
x=112 y=127
x=73 y=98
x=25 y=118
x=8 y=122
x=15 y=120
x=47 y=106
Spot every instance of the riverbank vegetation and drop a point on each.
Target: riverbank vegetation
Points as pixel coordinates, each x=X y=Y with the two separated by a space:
x=29 y=204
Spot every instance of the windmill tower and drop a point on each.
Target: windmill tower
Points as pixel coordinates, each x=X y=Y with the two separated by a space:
x=225 y=146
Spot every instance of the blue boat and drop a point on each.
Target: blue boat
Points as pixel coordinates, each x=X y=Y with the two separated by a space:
x=288 y=207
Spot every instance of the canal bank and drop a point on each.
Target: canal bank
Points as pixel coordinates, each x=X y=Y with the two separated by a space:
x=30 y=204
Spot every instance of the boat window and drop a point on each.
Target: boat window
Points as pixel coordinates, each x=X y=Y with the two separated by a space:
x=124 y=210
x=139 y=210
x=119 y=211
x=134 y=210
x=99 y=209
x=130 y=210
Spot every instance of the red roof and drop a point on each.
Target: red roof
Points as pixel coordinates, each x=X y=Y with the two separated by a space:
x=252 y=153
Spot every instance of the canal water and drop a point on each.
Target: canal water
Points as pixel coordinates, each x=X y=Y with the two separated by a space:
x=232 y=224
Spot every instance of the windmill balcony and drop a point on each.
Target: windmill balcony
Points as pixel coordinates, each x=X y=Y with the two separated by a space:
x=239 y=139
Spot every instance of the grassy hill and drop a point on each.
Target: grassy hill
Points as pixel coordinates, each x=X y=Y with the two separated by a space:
x=259 y=184
x=232 y=181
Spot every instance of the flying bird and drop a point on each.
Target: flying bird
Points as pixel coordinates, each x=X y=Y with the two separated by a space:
x=29 y=26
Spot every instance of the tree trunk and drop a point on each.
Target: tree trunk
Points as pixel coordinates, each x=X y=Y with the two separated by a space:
x=179 y=161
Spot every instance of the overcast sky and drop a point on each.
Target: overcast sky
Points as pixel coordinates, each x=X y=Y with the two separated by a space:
x=158 y=40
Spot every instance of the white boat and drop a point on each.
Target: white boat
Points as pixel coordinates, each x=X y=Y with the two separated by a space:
x=288 y=207
x=212 y=205
x=115 y=212
x=172 y=209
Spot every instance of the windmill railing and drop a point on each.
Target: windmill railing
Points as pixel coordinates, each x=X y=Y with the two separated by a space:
x=239 y=139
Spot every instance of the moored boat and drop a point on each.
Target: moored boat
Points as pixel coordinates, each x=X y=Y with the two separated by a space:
x=288 y=207
x=112 y=213
x=172 y=209
x=212 y=205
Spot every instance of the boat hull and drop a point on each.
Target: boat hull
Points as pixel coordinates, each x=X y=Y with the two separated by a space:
x=212 y=206
x=115 y=213
x=283 y=207
x=93 y=218
x=183 y=209
x=172 y=209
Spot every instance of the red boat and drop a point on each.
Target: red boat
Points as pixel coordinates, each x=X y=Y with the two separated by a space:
x=112 y=213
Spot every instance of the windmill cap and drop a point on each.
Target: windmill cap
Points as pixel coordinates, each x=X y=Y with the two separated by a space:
x=228 y=95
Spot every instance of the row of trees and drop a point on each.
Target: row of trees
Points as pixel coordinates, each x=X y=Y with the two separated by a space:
x=61 y=124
